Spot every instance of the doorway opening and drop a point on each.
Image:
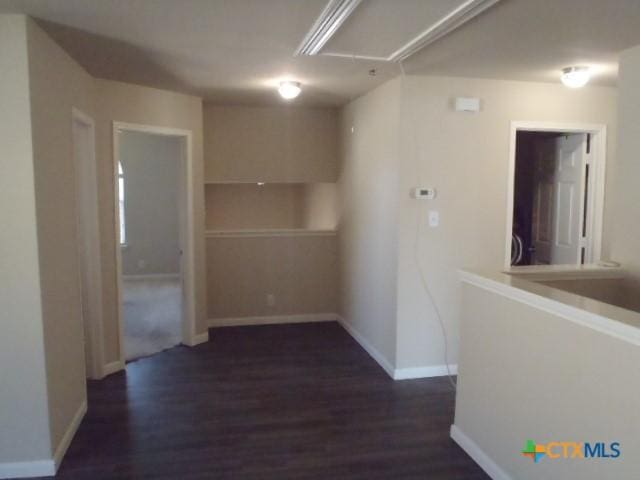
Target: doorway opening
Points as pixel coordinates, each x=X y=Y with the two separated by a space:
x=556 y=192
x=154 y=228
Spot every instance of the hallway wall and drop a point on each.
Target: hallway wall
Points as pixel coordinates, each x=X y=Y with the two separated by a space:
x=24 y=422
x=465 y=156
x=625 y=234
x=368 y=229
x=57 y=85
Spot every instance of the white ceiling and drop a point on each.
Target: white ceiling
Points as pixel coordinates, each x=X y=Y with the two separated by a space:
x=380 y=27
x=236 y=51
x=532 y=40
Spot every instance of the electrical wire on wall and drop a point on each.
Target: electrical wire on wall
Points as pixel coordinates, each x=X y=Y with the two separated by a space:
x=416 y=257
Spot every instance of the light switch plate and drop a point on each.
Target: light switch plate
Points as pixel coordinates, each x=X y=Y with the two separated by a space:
x=434 y=218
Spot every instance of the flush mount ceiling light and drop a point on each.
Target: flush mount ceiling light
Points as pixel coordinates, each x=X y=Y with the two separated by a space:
x=575 y=77
x=333 y=15
x=289 y=90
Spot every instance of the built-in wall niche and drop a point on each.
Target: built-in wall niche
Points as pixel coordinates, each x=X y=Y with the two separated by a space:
x=246 y=207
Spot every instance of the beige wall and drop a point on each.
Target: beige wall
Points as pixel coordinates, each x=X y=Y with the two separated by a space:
x=300 y=271
x=151 y=166
x=465 y=157
x=116 y=101
x=625 y=235
x=250 y=206
x=513 y=361
x=321 y=206
x=270 y=144
x=58 y=84
x=24 y=423
x=293 y=150
x=368 y=235
x=45 y=386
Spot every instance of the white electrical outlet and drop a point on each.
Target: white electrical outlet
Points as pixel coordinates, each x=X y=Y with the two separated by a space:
x=271 y=300
x=434 y=218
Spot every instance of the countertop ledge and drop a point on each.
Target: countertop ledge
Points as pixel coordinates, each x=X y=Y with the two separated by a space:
x=565 y=272
x=608 y=319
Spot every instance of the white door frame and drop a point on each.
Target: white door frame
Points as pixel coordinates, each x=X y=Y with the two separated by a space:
x=91 y=261
x=186 y=227
x=595 y=200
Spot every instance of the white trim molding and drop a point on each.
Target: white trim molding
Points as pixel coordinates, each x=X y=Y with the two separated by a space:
x=280 y=232
x=35 y=468
x=48 y=467
x=368 y=347
x=396 y=373
x=113 y=367
x=472 y=449
x=272 y=319
x=326 y=25
x=187 y=228
x=598 y=161
x=63 y=446
x=447 y=24
x=153 y=276
x=197 y=339
x=424 y=372
x=90 y=263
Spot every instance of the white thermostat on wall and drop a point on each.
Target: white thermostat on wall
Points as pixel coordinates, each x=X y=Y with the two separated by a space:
x=467 y=104
x=423 y=193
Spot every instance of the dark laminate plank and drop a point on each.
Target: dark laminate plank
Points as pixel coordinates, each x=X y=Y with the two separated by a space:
x=272 y=402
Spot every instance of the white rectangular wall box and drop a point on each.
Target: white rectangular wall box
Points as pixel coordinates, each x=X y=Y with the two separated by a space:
x=467 y=104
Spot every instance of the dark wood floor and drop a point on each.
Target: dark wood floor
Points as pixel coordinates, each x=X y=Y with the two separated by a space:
x=272 y=402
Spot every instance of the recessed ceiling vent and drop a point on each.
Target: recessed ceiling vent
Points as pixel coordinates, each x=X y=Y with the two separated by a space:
x=333 y=15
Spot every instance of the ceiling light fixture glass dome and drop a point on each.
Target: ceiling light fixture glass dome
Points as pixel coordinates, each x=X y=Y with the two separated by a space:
x=575 y=77
x=289 y=90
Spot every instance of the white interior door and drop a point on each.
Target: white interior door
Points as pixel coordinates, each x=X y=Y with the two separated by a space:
x=543 y=201
x=569 y=199
x=558 y=199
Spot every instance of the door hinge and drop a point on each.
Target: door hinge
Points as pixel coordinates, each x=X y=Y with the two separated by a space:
x=588 y=143
x=583 y=242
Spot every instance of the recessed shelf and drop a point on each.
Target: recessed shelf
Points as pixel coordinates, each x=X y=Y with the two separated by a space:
x=256 y=182
x=269 y=232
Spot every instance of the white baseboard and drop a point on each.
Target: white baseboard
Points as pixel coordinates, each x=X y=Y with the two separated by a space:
x=475 y=452
x=424 y=372
x=62 y=447
x=46 y=468
x=113 y=367
x=370 y=349
x=36 y=468
x=198 y=339
x=153 y=276
x=272 y=319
